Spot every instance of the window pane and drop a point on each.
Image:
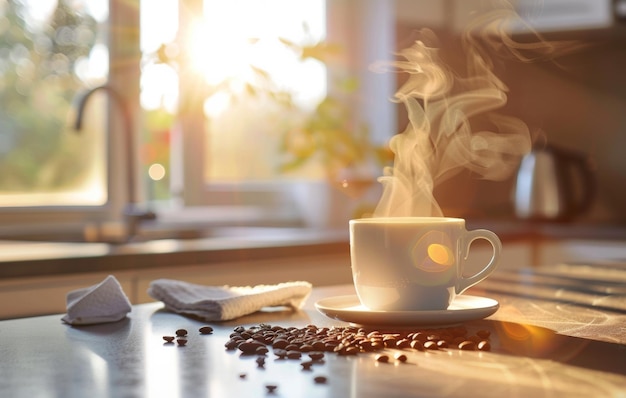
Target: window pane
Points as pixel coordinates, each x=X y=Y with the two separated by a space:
x=49 y=52
x=263 y=83
x=253 y=80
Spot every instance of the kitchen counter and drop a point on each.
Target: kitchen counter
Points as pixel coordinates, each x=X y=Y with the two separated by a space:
x=26 y=259
x=559 y=331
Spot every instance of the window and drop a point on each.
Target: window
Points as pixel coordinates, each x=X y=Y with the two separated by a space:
x=206 y=91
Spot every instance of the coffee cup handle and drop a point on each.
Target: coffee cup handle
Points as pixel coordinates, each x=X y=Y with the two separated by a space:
x=469 y=237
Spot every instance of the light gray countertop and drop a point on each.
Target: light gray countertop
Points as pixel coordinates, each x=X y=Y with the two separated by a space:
x=554 y=334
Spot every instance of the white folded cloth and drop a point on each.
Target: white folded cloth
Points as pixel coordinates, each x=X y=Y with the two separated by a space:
x=222 y=303
x=100 y=303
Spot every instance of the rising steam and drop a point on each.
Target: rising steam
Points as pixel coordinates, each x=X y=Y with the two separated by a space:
x=439 y=141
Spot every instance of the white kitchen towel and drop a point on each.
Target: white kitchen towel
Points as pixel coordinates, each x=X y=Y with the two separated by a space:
x=222 y=303
x=100 y=303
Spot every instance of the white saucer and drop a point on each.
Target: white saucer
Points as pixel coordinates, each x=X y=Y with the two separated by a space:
x=463 y=308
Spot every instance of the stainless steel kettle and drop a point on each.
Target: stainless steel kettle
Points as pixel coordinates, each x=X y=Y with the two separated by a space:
x=553 y=184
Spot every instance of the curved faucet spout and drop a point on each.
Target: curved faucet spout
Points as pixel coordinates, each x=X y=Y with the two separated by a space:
x=132 y=214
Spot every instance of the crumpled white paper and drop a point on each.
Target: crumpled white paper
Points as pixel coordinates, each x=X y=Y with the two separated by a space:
x=100 y=303
x=222 y=303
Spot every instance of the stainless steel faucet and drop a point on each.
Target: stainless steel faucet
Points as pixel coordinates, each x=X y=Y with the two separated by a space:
x=133 y=215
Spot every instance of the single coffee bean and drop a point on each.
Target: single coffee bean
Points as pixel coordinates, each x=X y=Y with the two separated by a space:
x=484 y=345
x=467 y=345
x=403 y=343
x=316 y=355
x=320 y=379
x=181 y=342
x=483 y=334
x=232 y=344
x=206 y=330
x=306 y=365
x=382 y=358
x=271 y=387
x=400 y=357
x=318 y=345
x=442 y=344
x=261 y=350
x=181 y=332
x=169 y=339
x=260 y=361
x=292 y=347
x=280 y=343
x=390 y=341
x=242 y=375
x=249 y=347
x=377 y=346
x=294 y=354
x=280 y=353
x=417 y=345
x=431 y=345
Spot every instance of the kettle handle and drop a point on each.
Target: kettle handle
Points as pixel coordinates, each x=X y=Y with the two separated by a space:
x=580 y=163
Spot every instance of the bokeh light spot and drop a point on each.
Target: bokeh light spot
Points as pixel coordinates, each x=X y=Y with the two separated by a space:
x=440 y=254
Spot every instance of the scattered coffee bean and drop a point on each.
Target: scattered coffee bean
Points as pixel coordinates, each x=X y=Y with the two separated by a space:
x=232 y=344
x=242 y=375
x=260 y=361
x=484 y=345
x=320 y=379
x=294 y=354
x=306 y=365
x=467 y=345
x=249 y=347
x=181 y=342
x=400 y=357
x=271 y=388
x=280 y=343
x=382 y=358
x=181 y=332
x=431 y=345
x=206 y=330
x=403 y=343
x=280 y=353
x=169 y=339
x=417 y=345
x=292 y=342
x=316 y=355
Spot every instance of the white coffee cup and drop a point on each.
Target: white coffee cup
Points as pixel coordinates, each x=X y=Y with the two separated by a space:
x=414 y=263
